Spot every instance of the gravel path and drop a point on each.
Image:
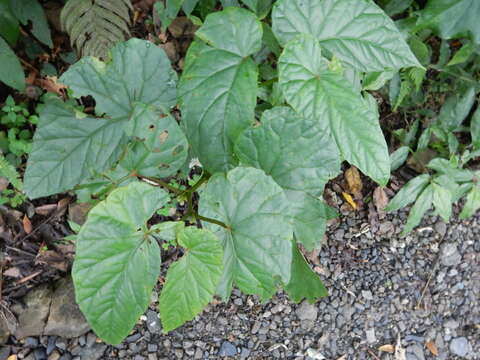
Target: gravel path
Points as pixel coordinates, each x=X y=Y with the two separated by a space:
x=422 y=290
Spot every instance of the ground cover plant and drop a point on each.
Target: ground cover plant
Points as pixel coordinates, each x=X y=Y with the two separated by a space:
x=273 y=97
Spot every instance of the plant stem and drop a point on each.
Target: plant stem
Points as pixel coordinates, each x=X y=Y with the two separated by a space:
x=163 y=184
x=213 y=221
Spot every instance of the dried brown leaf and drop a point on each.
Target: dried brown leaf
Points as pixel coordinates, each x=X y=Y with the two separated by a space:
x=13 y=272
x=51 y=84
x=387 y=348
x=354 y=182
x=380 y=198
x=44 y=210
x=432 y=347
x=27 y=225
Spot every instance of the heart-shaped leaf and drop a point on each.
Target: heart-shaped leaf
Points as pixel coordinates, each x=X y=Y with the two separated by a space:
x=257 y=243
x=219 y=85
x=356 y=31
x=326 y=96
x=117 y=262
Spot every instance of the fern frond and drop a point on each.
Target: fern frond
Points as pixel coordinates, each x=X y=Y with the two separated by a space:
x=95 y=26
x=411 y=79
x=417 y=75
x=8 y=171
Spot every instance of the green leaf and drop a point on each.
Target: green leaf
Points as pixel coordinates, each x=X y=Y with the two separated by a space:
x=309 y=215
x=159 y=148
x=9 y=27
x=295 y=151
x=257 y=244
x=444 y=166
x=475 y=128
x=67 y=150
x=395 y=7
x=472 y=204
x=442 y=199
x=219 y=85
x=191 y=281
x=421 y=206
x=456 y=108
x=269 y=40
x=462 y=55
x=30 y=10
x=452 y=18
x=409 y=192
x=169 y=12
x=259 y=7
x=398 y=157
x=188 y=6
x=117 y=263
x=358 y=32
x=326 y=96
x=11 y=72
x=376 y=80
x=167 y=231
x=139 y=72
x=304 y=283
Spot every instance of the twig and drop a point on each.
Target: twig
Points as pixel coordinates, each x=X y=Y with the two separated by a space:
x=213 y=221
x=29 y=277
x=162 y=184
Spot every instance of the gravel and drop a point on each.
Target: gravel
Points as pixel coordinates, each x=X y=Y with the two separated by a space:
x=416 y=290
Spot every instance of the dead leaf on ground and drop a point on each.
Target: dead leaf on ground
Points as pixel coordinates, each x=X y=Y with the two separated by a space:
x=387 y=348
x=27 y=225
x=354 y=182
x=51 y=84
x=343 y=357
x=13 y=272
x=44 y=210
x=3 y=183
x=380 y=198
x=12 y=357
x=348 y=198
x=53 y=259
x=78 y=212
x=432 y=347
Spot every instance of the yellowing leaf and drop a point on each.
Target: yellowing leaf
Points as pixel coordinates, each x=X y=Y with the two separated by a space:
x=432 y=347
x=348 y=198
x=354 y=182
x=387 y=348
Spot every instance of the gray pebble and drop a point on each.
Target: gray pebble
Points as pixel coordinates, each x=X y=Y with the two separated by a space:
x=227 y=349
x=449 y=255
x=307 y=311
x=460 y=346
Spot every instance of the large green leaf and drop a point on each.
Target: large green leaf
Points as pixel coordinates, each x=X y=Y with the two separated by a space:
x=295 y=151
x=30 y=10
x=257 y=244
x=357 y=31
x=68 y=150
x=11 y=72
x=304 y=283
x=9 y=27
x=452 y=18
x=326 y=96
x=117 y=263
x=139 y=72
x=219 y=85
x=159 y=148
x=191 y=281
